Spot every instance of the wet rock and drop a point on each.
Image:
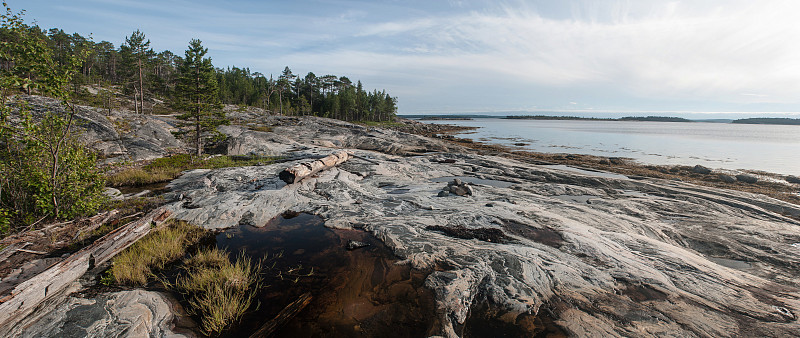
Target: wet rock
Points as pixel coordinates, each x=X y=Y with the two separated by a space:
x=793 y=179
x=698 y=169
x=746 y=178
x=443 y=193
x=727 y=178
x=352 y=245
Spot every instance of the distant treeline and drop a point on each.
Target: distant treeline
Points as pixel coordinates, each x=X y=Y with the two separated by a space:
x=626 y=118
x=146 y=76
x=769 y=120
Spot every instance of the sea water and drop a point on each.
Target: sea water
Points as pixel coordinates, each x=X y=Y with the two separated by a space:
x=772 y=148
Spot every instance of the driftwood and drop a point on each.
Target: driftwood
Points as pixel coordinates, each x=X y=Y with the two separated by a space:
x=26 y=296
x=300 y=171
x=284 y=316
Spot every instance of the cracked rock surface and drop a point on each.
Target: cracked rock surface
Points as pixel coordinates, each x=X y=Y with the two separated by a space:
x=603 y=255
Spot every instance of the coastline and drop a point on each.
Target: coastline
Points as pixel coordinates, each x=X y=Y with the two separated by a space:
x=519 y=242
x=770 y=184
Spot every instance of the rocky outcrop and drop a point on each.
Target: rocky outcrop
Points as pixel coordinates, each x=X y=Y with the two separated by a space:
x=605 y=255
x=135 y=313
x=118 y=136
x=291 y=134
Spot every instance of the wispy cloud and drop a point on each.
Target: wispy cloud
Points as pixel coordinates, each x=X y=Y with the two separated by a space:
x=458 y=55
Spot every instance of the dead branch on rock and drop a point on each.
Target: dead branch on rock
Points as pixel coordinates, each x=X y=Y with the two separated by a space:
x=26 y=296
x=284 y=316
x=298 y=172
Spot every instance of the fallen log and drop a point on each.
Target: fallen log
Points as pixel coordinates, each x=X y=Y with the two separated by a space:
x=300 y=171
x=26 y=296
x=284 y=316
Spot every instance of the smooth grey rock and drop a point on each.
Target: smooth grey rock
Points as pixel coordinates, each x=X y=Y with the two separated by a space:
x=652 y=256
x=727 y=178
x=135 y=313
x=701 y=170
x=113 y=193
x=793 y=179
x=120 y=136
x=746 y=178
x=444 y=193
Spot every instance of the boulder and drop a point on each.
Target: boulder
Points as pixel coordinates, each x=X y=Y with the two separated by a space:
x=793 y=179
x=746 y=178
x=698 y=169
x=727 y=178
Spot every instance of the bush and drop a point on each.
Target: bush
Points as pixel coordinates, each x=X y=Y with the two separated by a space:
x=45 y=173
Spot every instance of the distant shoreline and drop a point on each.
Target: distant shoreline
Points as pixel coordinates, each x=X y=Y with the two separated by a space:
x=626 y=118
x=758 y=120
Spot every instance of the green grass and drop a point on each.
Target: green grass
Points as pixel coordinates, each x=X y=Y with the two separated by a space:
x=218 y=290
x=139 y=262
x=167 y=168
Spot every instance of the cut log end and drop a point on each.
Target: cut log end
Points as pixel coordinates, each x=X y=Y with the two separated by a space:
x=286 y=176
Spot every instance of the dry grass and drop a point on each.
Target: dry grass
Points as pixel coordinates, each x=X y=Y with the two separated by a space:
x=139 y=176
x=218 y=291
x=167 y=168
x=137 y=264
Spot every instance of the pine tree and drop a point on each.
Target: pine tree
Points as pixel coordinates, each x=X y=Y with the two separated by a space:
x=198 y=93
x=137 y=52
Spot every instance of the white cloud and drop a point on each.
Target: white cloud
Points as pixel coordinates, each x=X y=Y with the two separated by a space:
x=673 y=51
x=601 y=53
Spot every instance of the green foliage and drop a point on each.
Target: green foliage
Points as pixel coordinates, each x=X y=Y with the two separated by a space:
x=217 y=290
x=197 y=93
x=44 y=172
x=5 y=222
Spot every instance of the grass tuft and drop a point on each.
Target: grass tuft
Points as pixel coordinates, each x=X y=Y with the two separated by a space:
x=218 y=290
x=137 y=264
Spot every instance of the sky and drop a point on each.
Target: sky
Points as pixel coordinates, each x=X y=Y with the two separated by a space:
x=451 y=56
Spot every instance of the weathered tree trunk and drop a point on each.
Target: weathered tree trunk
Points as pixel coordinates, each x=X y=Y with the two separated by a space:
x=25 y=297
x=284 y=316
x=300 y=171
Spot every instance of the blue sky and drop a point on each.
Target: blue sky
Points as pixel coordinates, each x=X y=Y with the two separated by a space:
x=487 y=56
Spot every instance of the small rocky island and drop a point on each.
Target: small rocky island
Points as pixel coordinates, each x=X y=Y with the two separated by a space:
x=513 y=246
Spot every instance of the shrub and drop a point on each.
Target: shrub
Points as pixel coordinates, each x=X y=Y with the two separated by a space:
x=45 y=172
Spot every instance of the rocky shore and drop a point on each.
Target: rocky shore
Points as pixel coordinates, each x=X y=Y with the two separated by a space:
x=529 y=246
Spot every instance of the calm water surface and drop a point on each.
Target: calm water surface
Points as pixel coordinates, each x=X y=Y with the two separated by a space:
x=770 y=148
